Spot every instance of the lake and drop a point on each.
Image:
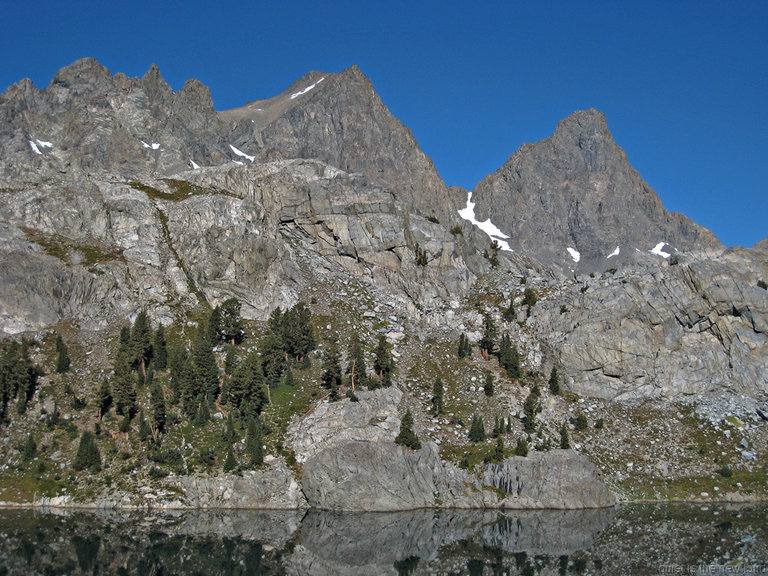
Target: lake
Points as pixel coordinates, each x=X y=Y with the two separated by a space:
x=643 y=539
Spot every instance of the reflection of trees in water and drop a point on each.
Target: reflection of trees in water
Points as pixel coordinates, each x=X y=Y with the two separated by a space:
x=403 y=544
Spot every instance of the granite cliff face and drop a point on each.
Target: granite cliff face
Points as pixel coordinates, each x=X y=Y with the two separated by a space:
x=696 y=326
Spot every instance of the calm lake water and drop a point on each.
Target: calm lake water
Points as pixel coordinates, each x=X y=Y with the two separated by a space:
x=631 y=539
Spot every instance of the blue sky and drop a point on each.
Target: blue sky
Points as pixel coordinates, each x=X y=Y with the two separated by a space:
x=684 y=85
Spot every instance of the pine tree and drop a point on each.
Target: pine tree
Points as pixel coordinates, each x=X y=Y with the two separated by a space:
x=213 y=326
x=488 y=340
x=565 y=441
x=230 y=463
x=104 y=398
x=272 y=359
x=160 y=349
x=437 y=397
x=331 y=378
x=509 y=314
x=509 y=357
x=382 y=364
x=62 y=357
x=465 y=348
x=498 y=450
x=356 y=367
x=231 y=325
x=30 y=448
x=305 y=336
x=488 y=387
x=254 y=441
x=141 y=342
x=88 y=455
x=531 y=407
x=230 y=435
x=477 y=429
x=554 y=381
x=275 y=323
x=230 y=361
x=407 y=437
x=522 y=447
x=206 y=372
x=529 y=299
x=123 y=389
x=247 y=388
x=158 y=407
x=203 y=414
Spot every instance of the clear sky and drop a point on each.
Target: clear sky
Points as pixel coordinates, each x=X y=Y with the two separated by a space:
x=684 y=85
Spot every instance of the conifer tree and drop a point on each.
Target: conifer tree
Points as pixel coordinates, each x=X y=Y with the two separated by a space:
x=272 y=359
x=160 y=349
x=488 y=340
x=331 y=378
x=230 y=435
x=141 y=342
x=356 y=367
x=477 y=429
x=529 y=299
x=213 y=326
x=531 y=407
x=509 y=357
x=509 y=313
x=88 y=455
x=407 y=437
x=206 y=372
x=158 y=408
x=30 y=448
x=437 y=397
x=230 y=323
x=123 y=389
x=124 y=346
x=203 y=414
x=230 y=463
x=522 y=447
x=104 y=398
x=465 y=348
x=247 y=387
x=230 y=361
x=382 y=364
x=254 y=441
x=488 y=387
x=565 y=441
x=498 y=450
x=305 y=340
x=554 y=381
x=62 y=356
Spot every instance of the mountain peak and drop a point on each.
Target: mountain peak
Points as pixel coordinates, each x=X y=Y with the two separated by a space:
x=576 y=193
x=83 y=71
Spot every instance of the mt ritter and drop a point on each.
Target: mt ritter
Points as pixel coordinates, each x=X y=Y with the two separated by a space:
x=119 y=195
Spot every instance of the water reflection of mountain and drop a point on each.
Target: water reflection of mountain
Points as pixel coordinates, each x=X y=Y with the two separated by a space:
x=635 y=539
x=372 y=543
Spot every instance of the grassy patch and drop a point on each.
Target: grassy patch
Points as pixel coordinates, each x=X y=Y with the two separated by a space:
x=25 y=487
x=73 y=251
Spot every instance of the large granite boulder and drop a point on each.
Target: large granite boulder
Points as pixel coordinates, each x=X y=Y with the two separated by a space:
x=350 y=462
